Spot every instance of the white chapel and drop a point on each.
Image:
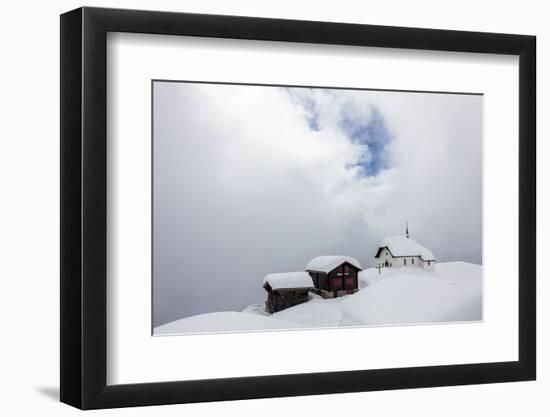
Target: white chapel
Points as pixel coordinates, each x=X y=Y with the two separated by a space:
x=401 y=250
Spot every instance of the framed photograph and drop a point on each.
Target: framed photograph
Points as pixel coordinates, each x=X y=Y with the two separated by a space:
x=256 y=208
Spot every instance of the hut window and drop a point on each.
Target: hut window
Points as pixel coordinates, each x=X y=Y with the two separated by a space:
x=428 y=263
x=405 y=261
x=412 y=261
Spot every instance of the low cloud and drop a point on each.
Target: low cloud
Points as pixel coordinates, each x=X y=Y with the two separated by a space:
x=252 y=180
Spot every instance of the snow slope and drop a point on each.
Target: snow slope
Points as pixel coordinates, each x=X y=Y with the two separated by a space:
x=317 y=312
x=452 y=292
x=457 y=271
x=402 y=300
x=224 y=321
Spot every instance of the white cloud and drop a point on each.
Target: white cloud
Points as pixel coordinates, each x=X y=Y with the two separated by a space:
x=244 y=186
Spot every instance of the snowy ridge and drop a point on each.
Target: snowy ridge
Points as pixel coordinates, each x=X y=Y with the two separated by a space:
x=289 y=280
x=419 y=299
x=224 y=321
x=391 y=296
x=328 y=263
x=455 y=271
x=317 y=312
x=405 y=246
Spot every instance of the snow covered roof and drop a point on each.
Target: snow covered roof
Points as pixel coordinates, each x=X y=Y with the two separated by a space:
x=400 y=245
x=289 y=280
x=328 y=263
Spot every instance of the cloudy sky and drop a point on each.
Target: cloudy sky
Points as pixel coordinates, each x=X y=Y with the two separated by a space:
x=250 y=180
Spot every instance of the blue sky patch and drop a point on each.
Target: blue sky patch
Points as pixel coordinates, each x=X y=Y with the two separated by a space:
x=370 y=134
x=374 y=135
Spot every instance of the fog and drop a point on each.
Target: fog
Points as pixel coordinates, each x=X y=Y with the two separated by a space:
x=250 y=180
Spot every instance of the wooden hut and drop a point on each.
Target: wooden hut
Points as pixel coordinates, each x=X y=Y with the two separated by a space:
x=286 y=290
x=334 y=276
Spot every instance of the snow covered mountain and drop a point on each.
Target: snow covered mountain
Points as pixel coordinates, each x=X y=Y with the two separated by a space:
x=407 y=295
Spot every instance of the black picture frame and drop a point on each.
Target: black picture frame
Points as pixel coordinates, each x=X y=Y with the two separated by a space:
x=84 y=197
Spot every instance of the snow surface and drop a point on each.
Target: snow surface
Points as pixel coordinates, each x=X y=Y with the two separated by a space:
x=407 y=295
x=400 y=245
x=414 y=299
x=224 y=321
x=289 y=280
x=317 y=312
x=457 y=271
x=328 y=263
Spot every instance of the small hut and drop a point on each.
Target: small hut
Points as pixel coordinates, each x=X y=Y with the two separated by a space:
x=286 y=290
x=334 y=276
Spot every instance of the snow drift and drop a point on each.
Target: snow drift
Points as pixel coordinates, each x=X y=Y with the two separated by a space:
x=224 y=321
x=407 y=295
x=404 y=299
x=453 y=292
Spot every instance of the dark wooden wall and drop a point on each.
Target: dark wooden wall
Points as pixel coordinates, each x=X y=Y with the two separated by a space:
x=343 y=269
x=278 y=300
x=326 y=282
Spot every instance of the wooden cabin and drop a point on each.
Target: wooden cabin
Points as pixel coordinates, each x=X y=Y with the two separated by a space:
x=334 y=276
x=286 y=290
